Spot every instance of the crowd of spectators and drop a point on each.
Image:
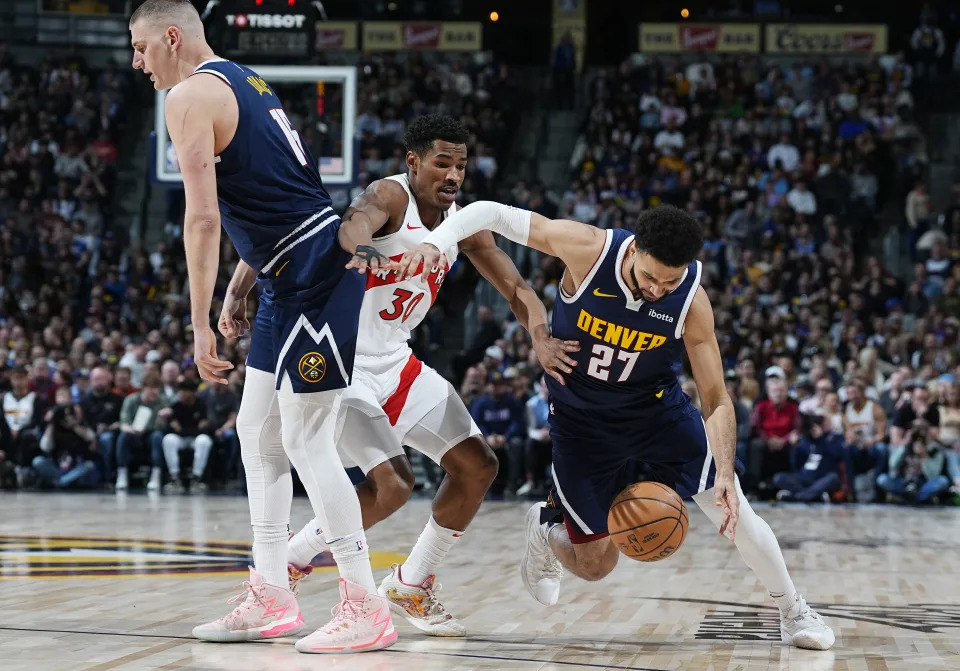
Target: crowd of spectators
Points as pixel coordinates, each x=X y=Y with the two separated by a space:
x=844 y=376
x=96 y=376
x=396 y=88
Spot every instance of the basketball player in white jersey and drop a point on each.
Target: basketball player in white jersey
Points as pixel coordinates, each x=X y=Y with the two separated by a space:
x=396 y=400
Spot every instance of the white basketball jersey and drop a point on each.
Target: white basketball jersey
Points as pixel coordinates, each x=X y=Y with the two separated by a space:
x=392 y=308
x=863 y=422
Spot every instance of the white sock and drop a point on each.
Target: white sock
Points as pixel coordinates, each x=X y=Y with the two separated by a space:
x=353 y=560
x=154 y=473
x=305 y=545
x=121 y=472
x=431 y=548
x=758 y=546
x=270 y=553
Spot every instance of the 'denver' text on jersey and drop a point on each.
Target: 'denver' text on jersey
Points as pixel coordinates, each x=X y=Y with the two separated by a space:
x=630 y=350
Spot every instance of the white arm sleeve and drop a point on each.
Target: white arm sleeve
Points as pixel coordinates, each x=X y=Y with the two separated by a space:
x=510 y=222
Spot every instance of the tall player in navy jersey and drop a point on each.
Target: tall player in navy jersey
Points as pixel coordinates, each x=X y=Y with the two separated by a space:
x=245 y=168
x=634 y=302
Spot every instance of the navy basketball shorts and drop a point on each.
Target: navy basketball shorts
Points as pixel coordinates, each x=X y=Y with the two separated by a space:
x=594 y=461
x=309 y=334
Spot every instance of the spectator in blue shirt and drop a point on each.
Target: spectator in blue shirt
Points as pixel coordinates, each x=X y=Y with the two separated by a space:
x=539 y=446
x=814 y=462
x=500 y=417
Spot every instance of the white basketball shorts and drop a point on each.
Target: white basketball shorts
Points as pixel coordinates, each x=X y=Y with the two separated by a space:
x=423 y=410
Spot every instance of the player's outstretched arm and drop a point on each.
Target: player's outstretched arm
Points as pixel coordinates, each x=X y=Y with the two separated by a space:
x=719 y=416
x=191 y=108
x=367 y=214
x=499 y=269
x=577 y=245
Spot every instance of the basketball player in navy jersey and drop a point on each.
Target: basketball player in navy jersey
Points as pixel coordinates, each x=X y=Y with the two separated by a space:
x=634 y=302
x=245 y=168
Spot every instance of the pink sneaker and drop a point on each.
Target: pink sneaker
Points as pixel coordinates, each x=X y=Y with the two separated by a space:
x=296 y=575
x=267 y=612
x=361 y=623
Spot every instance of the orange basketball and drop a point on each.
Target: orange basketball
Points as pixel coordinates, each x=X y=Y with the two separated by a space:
x=648 y=521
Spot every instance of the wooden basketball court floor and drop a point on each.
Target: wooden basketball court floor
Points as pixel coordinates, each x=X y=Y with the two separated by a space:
x=97 y=582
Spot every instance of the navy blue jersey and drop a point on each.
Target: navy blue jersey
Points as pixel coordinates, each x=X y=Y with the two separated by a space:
x=630 y=350
x=270 y=191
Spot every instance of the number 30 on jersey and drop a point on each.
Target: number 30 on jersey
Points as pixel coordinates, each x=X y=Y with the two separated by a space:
x=404 y=303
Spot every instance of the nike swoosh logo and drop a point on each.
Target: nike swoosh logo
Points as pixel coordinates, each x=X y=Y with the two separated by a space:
x=597 y=292
x=413 y=228
x=660 y=394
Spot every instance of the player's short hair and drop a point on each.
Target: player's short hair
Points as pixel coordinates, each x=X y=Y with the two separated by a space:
x=668 y=234
x=425 y=130
x=175 y=11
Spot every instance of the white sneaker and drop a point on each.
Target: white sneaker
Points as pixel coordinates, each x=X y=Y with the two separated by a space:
x=419 y=605
x=123 y=480
x=153 y=485
x=361 y=623
x=540 y=569
x=803 y=627
x=266 y=611
x=525 y=488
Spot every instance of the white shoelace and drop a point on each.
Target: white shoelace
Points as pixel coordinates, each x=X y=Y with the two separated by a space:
x=435 y=608
x=552 y=568
x=251 y=596
x=342 y=613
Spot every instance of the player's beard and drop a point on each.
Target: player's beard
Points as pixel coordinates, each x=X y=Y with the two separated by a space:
x=636 y=283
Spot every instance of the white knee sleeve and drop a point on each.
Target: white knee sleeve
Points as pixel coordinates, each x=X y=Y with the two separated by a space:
x=311 y=428
x=756 y=542
x=269 y=485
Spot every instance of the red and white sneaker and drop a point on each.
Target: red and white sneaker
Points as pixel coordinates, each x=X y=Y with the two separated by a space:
x=419 y=605
x=296 y=575
x=361 y=623
x=267 y=612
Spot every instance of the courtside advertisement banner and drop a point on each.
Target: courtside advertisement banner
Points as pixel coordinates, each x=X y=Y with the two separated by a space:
x=337 y=36
x=687 y=37
x=446 y=36
x=825 y=38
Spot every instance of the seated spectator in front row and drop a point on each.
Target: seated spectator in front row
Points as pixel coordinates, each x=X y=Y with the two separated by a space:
x=865 y=428
x=68 y=446
x=774 y=425
x=916 y=468
x=23 y=412
x=101 y=412
x=188 y=428
x=500 y=418
x=539 y=446
x=139 y=431
x=815 y=463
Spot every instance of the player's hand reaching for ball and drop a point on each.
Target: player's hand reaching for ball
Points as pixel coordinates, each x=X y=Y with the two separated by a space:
x=552 y=355
x=726 y=497
x=368 y=258
x=233 y=321
x=211 y=367
x=425 y=254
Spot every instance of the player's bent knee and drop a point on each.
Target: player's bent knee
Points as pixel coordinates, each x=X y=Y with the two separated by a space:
x=596 y=559
x=471 y=460
x=594 y=569
x=392 y=482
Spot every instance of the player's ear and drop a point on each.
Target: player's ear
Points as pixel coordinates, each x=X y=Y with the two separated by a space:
x=173 y=36
x=413 y=161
